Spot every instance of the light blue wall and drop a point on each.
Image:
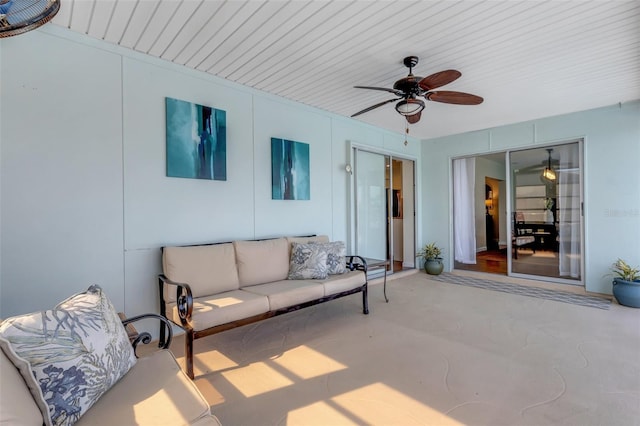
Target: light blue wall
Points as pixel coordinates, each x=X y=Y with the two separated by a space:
x=84 y=197
x=611 y=180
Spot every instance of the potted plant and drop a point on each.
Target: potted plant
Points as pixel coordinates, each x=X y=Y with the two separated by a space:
x=626 y=284
x=432 y=261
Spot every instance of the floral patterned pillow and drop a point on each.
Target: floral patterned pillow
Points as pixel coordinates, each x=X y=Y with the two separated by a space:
x=336 y=256
x=69 y=356
x=308 y=261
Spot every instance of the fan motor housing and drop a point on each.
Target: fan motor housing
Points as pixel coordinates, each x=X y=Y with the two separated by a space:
x=408 y=84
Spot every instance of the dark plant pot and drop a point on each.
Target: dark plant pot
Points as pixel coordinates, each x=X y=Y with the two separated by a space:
x=627 y=293
x=433 y=266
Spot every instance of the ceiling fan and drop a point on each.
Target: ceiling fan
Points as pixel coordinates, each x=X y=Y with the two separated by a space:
x=410 y=88
x=20 y=16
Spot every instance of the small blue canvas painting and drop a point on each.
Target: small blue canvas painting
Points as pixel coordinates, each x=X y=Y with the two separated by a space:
x=196 y=141
x=290 y=178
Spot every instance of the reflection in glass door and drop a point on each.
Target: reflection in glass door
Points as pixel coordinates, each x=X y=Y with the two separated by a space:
x=546 y=212
x=371 y=208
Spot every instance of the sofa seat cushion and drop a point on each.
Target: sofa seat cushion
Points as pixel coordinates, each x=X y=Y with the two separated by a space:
x=154 y=392
x=17 y=406
x=286 y=293
x=223 y=308
x=208 y=269
x=262 y=261
x=344 y=282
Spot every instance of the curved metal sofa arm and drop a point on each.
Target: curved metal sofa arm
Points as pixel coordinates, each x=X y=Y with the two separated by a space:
x=361 y=266
x=184 y=299
x=145 y=337
x=184 y=303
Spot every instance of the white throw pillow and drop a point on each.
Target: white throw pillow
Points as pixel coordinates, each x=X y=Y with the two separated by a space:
x=69 y=356
x=308 y=261
x=336 y=256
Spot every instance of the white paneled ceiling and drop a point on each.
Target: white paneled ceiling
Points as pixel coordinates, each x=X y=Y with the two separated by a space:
x=527 y=59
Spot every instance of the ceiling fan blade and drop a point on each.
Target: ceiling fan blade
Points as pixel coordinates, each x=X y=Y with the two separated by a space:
x=384 y=89
x=439 y=79
x=413 y=119
x=374 y=106
x=459 y=98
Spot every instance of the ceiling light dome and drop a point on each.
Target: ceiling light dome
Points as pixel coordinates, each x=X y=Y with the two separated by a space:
x=409 y=106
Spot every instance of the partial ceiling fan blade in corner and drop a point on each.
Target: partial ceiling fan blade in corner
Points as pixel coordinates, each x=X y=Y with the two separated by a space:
x=458 y=98
x=413 y=119
x=374 y=106
x=439 y=79
x=384 y=89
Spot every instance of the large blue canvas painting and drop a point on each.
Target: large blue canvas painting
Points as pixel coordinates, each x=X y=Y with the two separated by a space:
x=196 y=141
x=290 y=179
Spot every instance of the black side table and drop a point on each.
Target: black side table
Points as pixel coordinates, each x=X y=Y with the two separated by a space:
x=377 y=264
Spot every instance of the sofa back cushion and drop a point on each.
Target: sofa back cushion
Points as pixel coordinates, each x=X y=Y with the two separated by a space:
x=262 y=262
x=208 y=269
x=307 y=240
x=17 y=406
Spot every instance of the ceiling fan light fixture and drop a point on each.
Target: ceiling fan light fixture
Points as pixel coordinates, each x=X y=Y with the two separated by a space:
x=20 y=16
x=548 y=173
x=409 y=106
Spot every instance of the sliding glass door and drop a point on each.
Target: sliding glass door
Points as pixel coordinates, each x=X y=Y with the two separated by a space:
x=371 y=208
x=546 y=212
x=384 y=208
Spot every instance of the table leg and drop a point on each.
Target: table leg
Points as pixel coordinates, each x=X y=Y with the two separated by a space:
x=384 y=286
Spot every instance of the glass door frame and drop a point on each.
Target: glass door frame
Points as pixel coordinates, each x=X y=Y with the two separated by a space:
x=510 y=212
x=352 y=192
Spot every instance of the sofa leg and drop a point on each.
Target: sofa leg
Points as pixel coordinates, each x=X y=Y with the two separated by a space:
x=365 y=301
x=161 y=340
x=188 y=353
x=162 y=337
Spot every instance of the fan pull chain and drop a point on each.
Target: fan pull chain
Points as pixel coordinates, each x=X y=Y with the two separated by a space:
x=406 y=133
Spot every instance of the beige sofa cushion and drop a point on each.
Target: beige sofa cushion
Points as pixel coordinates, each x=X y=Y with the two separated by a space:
x=17 y=407
x=306 y=240
x=208 y=269
x=344 y=282
x=262 y=262
x=286 y=293
x=155 y=392
x=223 y=308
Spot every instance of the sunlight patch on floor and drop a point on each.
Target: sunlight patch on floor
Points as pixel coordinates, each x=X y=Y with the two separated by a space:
x=212 y=361
x=381 y=404
x=307 y=363
x=256 y=379
x=261 y=377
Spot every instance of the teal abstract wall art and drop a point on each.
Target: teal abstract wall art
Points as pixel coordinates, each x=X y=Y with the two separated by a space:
x=196 y=141
x=290 y=178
